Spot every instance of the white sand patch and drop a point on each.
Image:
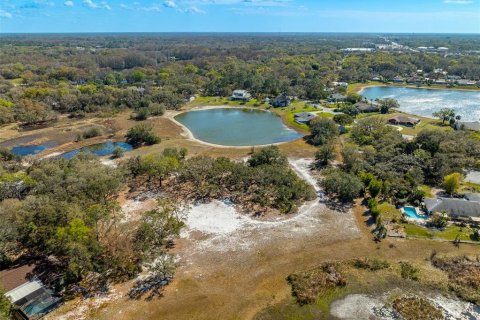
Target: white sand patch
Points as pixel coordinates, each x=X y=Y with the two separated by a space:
x=54 y=154
x=86 y=307
x=228 y=230
x=302 y=168
x=214 y=218
x=357 y=306
x=454 y=309
x=109 y=163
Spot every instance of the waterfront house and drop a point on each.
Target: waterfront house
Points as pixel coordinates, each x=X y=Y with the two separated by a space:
x=304 y=117
x=281 y=101
x=404 y=121
x=398 y=79
x=241 y=95
x=366 y=107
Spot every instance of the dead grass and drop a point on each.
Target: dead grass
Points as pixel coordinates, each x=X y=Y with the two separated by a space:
x=416 y=308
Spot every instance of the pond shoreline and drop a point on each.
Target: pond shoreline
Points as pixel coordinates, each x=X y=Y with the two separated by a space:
x=368 y=85
x=190 y=136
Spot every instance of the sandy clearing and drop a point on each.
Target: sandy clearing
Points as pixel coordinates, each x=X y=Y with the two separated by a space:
x=225 y=229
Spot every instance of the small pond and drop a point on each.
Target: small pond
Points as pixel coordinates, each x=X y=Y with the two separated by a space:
x=424 y=102
x=101 y=149
x=27 y=150
x=237 y=127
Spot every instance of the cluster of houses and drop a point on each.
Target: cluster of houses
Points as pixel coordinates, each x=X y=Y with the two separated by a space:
x=438 y=76
x=281 y=100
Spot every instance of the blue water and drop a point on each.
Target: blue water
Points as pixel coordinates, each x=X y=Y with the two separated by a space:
x=102 y=149
x=237 y=127
x=31 y=150
x=424 y=102
x=412 y=213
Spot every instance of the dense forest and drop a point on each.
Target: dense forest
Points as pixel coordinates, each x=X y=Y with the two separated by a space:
x=42 y=76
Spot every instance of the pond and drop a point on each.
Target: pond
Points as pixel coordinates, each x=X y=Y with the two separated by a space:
x=102 y=149
x=27 y=150
x=237 y=127
x=424 y=102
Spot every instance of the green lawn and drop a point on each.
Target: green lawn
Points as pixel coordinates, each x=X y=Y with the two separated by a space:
x=388 y=212
x=449 y=233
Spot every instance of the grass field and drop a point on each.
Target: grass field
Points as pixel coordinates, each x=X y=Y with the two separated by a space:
x=451 y=233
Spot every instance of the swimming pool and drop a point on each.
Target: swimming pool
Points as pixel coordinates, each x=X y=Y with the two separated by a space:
x=411 y=212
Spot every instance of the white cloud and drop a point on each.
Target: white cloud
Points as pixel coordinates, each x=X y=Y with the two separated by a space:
x=458 y=1
x=170 y=4
x=5 y=14
x=68 y=3
x=193 y=9
x=97 y=5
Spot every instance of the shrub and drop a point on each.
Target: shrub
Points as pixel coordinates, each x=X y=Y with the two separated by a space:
x=323 y=131
x=416 y=308
x=142 y=134
x=307 y=286
x=118 y=153
x=91 y=133
x=408 y=271
x=371 y=264
x=343 y=119
x=344 y=185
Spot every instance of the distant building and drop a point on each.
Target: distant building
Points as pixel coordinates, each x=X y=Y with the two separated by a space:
x=404 y=121
x=337 y=97
x=366 y=107
x=340 y=84
x=304 y=117
x=463 y=82
x=281 y=101
x=398 y=79
x=242 y=95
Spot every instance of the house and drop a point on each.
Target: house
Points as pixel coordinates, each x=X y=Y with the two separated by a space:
x=398 y=79
x=304 y=117
x=281 y=101
x=457 y=209
x=376 y=78
x=32 y=298
x=366 y=107
x=337 y=97
x=340 y=84
x=440 y=81
x=404 y=121
x=242 y=95
x=463 y=82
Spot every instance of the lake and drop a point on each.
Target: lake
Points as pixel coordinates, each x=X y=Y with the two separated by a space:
x=237 y=127
x=424 y=102
x=101 y=149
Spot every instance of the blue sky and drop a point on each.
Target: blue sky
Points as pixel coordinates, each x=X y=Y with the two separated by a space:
x=419 y=16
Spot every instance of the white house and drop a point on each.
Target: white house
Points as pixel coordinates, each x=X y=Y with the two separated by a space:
x=242 y=95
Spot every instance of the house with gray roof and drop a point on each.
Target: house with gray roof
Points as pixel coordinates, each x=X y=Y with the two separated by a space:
x=304 y=117
x=457 y=209
x=366 y=107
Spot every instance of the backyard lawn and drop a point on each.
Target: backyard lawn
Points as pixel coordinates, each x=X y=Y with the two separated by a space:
x=450 y=233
